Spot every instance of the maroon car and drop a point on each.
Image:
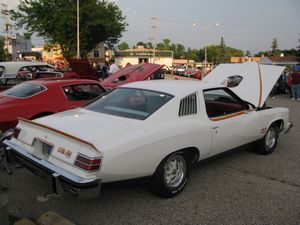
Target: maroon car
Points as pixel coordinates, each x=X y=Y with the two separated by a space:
x=37 y=98
x=133 y=73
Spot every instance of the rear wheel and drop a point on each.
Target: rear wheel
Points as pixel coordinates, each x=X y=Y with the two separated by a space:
x=268 y=144
x=171 y=175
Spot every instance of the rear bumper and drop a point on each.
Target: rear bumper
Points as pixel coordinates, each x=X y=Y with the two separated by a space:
x=62 y=180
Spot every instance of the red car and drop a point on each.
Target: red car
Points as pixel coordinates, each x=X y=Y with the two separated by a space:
x=133 y=73
x=37 y=98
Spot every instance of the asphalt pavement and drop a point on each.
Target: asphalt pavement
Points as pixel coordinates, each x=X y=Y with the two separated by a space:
x=240 y=187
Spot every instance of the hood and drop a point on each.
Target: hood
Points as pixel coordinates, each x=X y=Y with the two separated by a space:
x=83 y=69
x=251 y=81
x=131 y=73
x=88 y=125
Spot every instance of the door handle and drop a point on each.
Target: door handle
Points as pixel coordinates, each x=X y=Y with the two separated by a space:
x=215 y=127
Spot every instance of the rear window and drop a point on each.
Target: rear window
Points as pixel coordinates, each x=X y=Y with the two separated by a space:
x=130 y=103
x=24 y=90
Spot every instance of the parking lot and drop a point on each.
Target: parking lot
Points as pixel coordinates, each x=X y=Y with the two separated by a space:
x=239 y=187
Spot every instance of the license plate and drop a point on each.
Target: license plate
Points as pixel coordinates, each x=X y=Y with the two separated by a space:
x=45 y=148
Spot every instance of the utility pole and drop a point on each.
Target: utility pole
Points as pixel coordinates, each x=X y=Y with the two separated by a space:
x=154 y=19
x=78 y=37
x=5 y=13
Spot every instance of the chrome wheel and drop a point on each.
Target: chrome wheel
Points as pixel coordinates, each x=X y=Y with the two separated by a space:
x=175 y=171
x=270 y=138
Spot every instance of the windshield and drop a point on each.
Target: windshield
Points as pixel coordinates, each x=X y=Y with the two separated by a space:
x=24 y=90
x=130 y=103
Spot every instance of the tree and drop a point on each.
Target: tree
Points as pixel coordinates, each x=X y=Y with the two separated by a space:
x=248 y=53
x=123 y=46
x=100 y=21
x=223 y=57
x=3 y=52
x=274 y=47
x=141 y=43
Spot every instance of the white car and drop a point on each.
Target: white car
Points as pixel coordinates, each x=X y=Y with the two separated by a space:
x=155 y=129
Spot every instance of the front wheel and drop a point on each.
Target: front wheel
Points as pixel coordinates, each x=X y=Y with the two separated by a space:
x=171 y=175
x=268 y=144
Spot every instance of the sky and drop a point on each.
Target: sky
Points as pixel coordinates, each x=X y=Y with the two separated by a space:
x=247 y=25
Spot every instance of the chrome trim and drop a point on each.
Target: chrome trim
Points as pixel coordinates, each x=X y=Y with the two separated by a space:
x=48 y=165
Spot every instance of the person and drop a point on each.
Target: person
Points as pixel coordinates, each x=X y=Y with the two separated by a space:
x=295 y=85
x=113 y=67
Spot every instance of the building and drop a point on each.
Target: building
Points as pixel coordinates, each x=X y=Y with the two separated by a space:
x=143 y=55
x=17 y=45
x=98 y=55
x=288 y=60
x=245 y=59
x=54 y=55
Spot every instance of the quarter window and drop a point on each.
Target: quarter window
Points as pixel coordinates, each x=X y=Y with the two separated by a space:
x=82 y=91
x=24 y=90
x=221 y=102
x=188 y=105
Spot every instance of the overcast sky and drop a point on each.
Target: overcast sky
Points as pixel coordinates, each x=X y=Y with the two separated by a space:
x=247 y=25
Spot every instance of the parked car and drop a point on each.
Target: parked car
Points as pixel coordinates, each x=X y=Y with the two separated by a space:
x=156 y=129
x=133 y=73
x=37 y=98
x=12 y=73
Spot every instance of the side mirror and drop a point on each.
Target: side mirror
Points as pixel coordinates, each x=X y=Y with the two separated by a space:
x=247 y=107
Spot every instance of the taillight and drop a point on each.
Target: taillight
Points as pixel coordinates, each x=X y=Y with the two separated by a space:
x=88 y=163
x=16 y=132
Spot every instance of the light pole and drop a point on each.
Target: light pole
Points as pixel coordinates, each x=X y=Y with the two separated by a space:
x=78 y=38
x=205 y=37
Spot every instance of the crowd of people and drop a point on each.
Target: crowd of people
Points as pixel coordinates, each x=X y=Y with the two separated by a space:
x=289 y=83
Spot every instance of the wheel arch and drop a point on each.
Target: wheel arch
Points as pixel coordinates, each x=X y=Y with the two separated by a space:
x=279 y=124
x=193 y=153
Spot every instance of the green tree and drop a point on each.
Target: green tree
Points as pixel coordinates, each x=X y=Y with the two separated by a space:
x=149 y=45
x=123 y=46
x=222 y=56
x=3 y=52
x=100 y=21
x=193 y=54
x=274 y=47
x=141 y=43
x=248 y=53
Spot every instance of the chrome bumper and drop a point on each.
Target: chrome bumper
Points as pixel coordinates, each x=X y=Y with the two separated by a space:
x=62 y=180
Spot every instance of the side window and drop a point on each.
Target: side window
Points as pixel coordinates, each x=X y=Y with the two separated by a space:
x=82 y=91
x=221 y=102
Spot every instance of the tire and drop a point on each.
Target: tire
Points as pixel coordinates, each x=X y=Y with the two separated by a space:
x=269 y=142
x=171 y=175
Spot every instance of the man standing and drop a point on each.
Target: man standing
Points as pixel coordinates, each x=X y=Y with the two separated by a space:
x=113 y=67
x=295 y=85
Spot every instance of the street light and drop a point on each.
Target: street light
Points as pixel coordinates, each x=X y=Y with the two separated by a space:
x=205 y=47
x=78 y=40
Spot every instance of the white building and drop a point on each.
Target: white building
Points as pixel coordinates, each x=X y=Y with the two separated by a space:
x=18 y=45
x=141 y=54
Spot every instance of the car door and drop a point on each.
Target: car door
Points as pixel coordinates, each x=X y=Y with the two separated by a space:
x=232 y=124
